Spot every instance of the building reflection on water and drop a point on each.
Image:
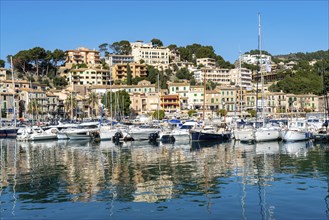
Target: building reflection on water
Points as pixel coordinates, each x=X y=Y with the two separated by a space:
x=53 y=171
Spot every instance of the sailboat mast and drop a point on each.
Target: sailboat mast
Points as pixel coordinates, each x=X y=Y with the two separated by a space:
x=261 y=71
x=204 y=95
x=240 y=76
x=13 y=83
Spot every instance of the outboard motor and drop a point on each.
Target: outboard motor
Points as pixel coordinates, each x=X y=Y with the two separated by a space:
x=117 y=136
x=153 y=137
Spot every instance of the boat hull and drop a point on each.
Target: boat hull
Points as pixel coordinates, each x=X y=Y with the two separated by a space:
x=291 y=135
x=265 y=134
x=244 y=135
x=204 y=136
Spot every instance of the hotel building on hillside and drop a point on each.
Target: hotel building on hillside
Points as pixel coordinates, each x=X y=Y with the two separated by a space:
x=155 y=56
x=113 y=59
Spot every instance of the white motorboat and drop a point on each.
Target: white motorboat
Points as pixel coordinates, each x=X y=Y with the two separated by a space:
x=84 y=131
x=36 y=133
x=179 y=133
x=141 y=132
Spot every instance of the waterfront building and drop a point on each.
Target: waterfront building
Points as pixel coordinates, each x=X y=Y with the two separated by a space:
x=82 y=55
x=195 y=97
x=170 y=103
x=228 y=97
x=8 y=89
x=302 y=103
x=143 y=103
x=35 y=103
x=321 y=103
x=182 y=89
x=213 y=99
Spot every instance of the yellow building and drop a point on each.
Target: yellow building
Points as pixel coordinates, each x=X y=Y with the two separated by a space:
x=119 y=71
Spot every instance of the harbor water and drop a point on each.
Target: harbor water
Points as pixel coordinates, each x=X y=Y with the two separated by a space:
x=139 y=180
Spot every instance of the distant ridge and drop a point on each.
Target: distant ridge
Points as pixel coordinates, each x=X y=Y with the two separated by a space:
x=317 y=55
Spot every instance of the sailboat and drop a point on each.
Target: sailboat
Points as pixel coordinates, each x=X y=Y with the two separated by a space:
x=267 y=132
x=10 y=131
x=208 y=132
x=322 y=134
x=107 y=132
x=245 y=132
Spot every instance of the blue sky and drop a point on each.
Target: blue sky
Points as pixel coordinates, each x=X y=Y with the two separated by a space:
x=228 y=26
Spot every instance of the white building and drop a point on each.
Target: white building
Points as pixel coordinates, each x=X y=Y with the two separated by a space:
x=113 y=59
x=181 y=89
x=206 y=62
x=243 y=77
x=155 y=56
x=217 y=75
x=195 y=97
x=253 y=59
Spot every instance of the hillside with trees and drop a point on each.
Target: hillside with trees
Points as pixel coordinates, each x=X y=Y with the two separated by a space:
x=308 y=76
x=304 y=78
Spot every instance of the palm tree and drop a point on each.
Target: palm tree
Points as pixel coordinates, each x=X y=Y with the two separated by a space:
x=92 y=101
x=34 y=108
x=70 y=104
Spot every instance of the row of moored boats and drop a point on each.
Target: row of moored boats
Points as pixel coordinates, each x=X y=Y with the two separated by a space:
x=296 y=129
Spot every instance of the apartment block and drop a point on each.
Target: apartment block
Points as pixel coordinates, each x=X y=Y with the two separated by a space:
x=82 y=55
x=216 y=75
x=241 y=77
x=119 y=71
x=88 y=76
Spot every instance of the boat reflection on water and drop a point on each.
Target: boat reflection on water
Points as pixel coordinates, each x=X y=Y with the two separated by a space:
x=296 y=149
x=272 y=147
x=197 y=145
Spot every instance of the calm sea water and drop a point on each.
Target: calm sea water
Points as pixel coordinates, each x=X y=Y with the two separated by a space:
x=137 y=180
